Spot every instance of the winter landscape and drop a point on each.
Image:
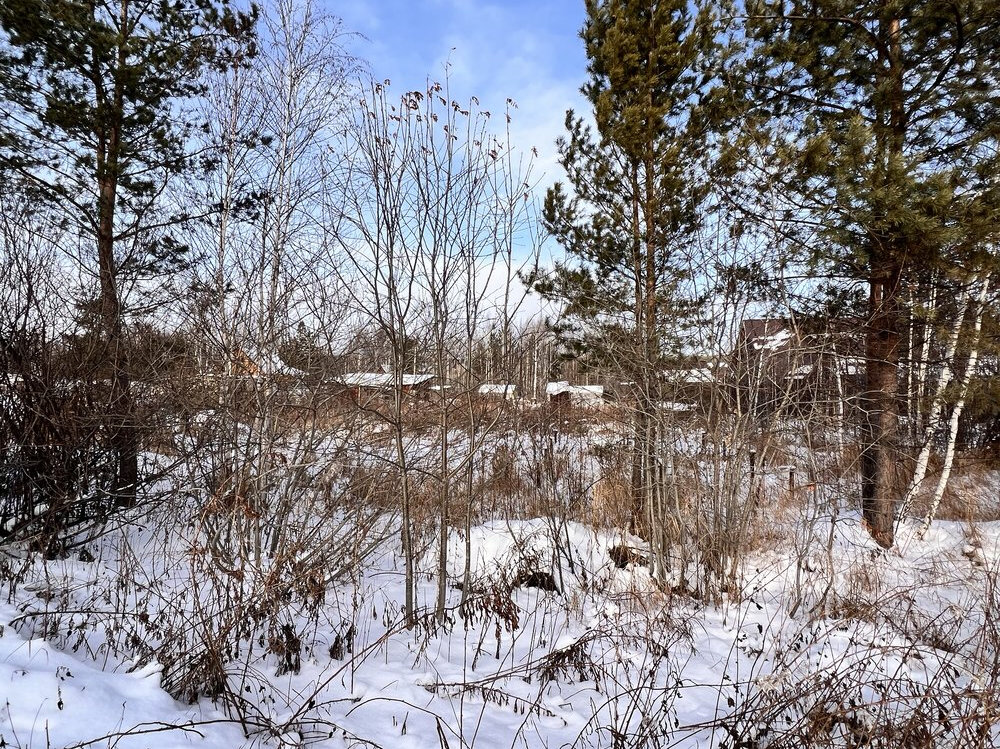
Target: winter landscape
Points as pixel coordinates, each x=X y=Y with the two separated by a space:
x=334 y=412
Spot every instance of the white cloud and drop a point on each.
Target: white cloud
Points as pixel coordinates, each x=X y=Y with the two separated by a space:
x=525 y=50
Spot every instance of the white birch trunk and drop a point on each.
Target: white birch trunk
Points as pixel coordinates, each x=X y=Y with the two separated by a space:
x=933 y=421
x=838 y=408
x=925 y=351
x=956 y=413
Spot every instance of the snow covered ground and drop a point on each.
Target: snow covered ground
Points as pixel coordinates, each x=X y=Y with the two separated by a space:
x=832 y=642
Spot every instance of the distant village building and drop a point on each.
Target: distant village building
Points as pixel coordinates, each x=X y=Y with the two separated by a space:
x=692 y=387
x=497 y=391
x=365 y=385
x=584 y=396
x=246 y=363
x=778 y=365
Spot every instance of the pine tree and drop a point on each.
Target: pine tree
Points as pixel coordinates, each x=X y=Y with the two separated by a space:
x=885 y=118
x=636 y=187
x=94 y=93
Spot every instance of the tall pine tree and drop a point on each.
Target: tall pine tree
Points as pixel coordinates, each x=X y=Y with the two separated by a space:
x=93 y=92
x=885 y=118
x=632 y=207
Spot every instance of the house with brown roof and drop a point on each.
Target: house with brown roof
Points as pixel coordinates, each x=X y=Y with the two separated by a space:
x=779 y=365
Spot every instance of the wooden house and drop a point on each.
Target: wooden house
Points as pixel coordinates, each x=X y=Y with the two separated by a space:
x=780 y=366
x=363 y=387
x=582 y=396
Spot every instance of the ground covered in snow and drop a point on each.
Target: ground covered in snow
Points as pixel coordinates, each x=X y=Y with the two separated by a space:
x=829 y=641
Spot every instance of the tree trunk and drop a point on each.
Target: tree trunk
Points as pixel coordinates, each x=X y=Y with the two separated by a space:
x=444 y=498
x=880 y=408
x=937 y=404
x=121 y=412
x=880 y=420
x=956 y=413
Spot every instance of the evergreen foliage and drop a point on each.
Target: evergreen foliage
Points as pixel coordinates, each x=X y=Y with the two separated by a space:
x=883 y=118
x=637 y=182
x=638 y=188
x=94 y=93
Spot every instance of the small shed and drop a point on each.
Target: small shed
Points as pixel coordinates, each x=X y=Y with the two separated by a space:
x=497 y=391
x=362 y=385
x=585 y=396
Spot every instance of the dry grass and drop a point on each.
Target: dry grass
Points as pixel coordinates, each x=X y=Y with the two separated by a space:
x=971 y=495
x=610 y=500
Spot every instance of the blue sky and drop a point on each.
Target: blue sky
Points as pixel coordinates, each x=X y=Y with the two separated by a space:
x=528 y=50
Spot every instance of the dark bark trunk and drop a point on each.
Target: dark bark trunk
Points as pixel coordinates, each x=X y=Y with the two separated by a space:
x=122 y=427
x=123 y=435
x=637 y=523
x=880 y=405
